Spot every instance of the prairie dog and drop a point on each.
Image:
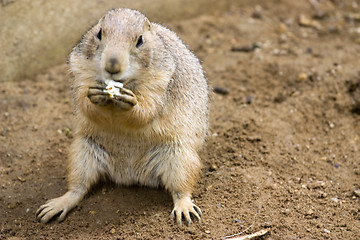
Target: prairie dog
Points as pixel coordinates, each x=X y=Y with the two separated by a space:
x=151 y=133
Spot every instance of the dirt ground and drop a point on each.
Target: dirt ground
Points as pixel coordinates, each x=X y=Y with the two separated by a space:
x=283 y=150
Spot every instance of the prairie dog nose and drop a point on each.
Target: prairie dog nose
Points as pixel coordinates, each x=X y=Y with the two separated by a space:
x=113 y=66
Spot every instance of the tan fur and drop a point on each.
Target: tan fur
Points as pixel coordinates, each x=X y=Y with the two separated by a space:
x=151 y=135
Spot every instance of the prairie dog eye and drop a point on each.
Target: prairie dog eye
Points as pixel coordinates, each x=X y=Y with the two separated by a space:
x=99 y=34
x=140 y=41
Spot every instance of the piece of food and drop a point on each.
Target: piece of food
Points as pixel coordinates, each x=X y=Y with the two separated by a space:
x=113 y=88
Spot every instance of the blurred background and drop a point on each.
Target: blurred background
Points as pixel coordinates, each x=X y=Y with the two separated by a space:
x=36 y=34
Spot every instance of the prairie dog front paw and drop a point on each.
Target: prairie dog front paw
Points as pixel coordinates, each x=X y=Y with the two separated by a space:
x=98 y=96
x=126 y=100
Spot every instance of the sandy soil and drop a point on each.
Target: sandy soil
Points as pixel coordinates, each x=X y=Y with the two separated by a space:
x=283 y=152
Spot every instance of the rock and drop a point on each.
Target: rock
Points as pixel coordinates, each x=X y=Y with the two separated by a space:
x=282 y=28
x=317 y=185
x=322 y=194
x=302 y=77
x=221 y=90
x=113 y=230
x=305 y=21
x=238 y=220
x=21 y=179
x=245 y=48
x=248 y=99
x=267 y=224
x=13 y=205
x=357 y=192
x=309 y=212
x=283 y=38
x=254 y=138
x=280 y=98
x=213 y=167
x=319 y=14
x=257 y=13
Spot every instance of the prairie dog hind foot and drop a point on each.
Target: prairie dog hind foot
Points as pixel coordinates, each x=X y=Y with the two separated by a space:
x=61 y=205
x=185 y=209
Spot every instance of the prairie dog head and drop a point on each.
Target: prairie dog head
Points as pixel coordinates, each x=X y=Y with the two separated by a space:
x=119 y=47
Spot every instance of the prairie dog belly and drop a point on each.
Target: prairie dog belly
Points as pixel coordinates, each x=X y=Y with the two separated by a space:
x=129 y=162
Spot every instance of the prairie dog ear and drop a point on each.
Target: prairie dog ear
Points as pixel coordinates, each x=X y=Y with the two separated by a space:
x=147 y=25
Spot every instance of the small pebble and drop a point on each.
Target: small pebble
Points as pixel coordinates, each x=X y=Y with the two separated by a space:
x=336 y=165
x=21 y=179
x=336 y=200
x=248 y=99
x=319 y=14
x=317 y=184
x=257 y=12
x=302 y=77
x=245 y=48
x=357 y=192
x=326 y=231
x=113 y=230
x=283 y=38
x=267 y=224
x=282 y=28
x=238 y=220
x=221 y=90
x=309 y=212
x=207 y=232
x=254 y=138
x=213 y=167
x=322 y=194
x=305 y=21
x=280 y=98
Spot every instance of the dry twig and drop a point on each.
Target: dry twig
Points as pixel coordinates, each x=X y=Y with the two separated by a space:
x=251 y=236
